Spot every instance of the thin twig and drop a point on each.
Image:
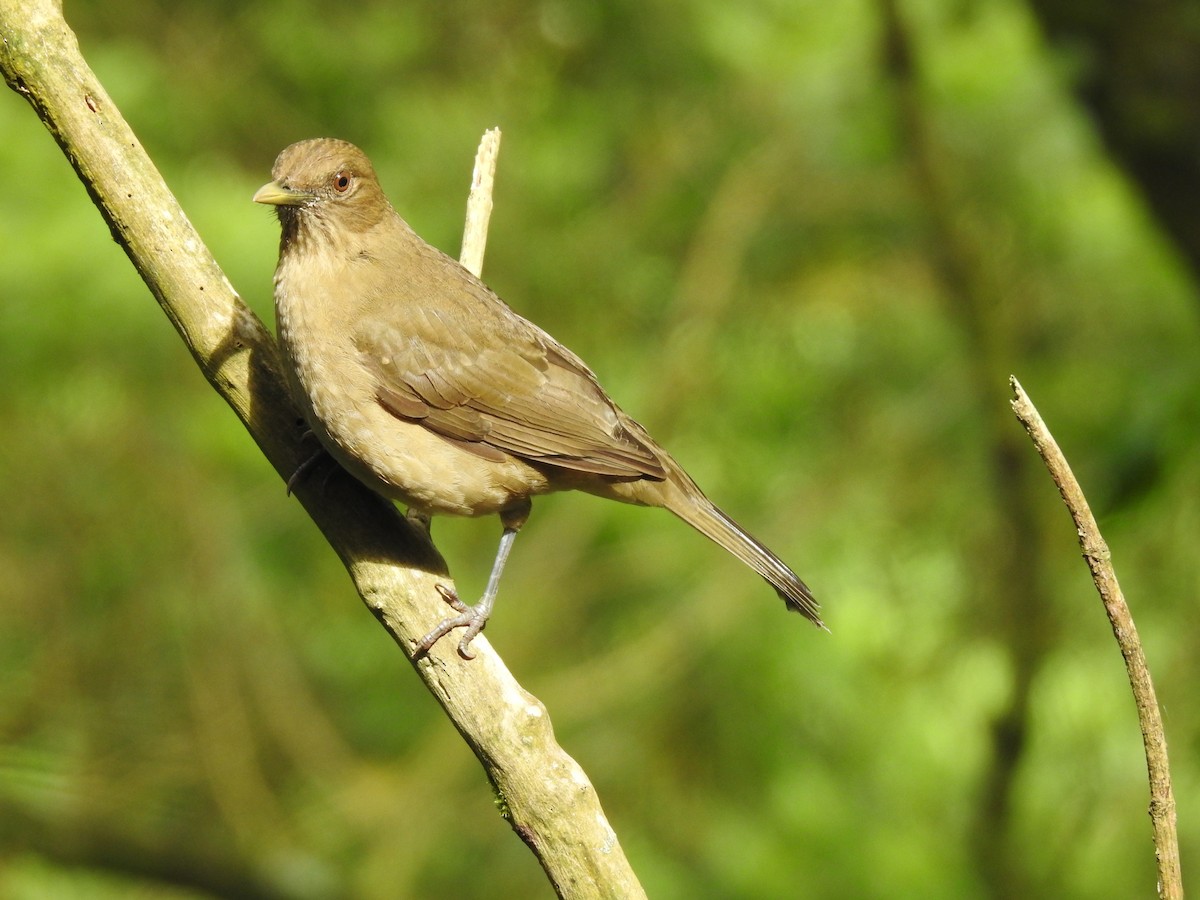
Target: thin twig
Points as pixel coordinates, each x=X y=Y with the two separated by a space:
x=479 y=202
x=1095 y=552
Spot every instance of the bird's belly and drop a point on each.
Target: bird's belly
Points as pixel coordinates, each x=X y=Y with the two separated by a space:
x=403 y=460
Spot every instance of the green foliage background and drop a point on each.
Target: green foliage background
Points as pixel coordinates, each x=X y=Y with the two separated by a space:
x=722 y=208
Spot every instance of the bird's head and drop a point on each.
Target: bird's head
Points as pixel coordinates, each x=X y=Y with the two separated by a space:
x=323 y=186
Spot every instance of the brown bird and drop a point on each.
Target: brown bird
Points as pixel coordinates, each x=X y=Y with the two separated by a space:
x=428 y=388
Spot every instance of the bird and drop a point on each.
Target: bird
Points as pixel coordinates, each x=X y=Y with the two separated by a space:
x=426 y=386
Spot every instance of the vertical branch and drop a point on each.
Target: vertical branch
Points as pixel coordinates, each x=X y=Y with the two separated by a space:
x=479 y=203
x=1095 y=552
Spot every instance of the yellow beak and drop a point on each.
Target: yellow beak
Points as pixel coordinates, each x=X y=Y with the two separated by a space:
x=276 y=194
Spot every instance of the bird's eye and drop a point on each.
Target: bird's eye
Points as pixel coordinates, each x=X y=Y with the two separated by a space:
x=341 y=182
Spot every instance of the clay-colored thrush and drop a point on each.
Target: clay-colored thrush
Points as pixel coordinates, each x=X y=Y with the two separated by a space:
x=427 y=387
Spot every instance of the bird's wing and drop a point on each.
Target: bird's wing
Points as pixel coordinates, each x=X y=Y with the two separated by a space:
x=473 y=371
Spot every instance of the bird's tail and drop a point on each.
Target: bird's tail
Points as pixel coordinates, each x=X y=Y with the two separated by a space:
x=686 y=500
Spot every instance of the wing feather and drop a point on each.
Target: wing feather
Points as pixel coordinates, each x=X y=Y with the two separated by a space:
x=481 y=376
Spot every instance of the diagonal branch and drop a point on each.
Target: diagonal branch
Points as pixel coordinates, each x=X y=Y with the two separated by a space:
x=543 y=793
x=1095 y=551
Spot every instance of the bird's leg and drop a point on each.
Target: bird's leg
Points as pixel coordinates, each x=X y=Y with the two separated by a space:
x=308 y=465
x=420 y=519
x=474 y=618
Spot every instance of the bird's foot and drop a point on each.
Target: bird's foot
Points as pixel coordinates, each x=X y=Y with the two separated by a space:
x=472 y=618
x=308 y=465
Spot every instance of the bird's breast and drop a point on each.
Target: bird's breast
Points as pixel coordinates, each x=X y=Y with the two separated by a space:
x=338 y=395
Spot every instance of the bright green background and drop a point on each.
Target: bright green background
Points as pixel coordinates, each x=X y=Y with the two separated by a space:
x=719 y=206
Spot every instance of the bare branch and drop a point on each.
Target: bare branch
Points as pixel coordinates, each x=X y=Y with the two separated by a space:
x=545 y=795
x=479 y=202
x=1095 y=552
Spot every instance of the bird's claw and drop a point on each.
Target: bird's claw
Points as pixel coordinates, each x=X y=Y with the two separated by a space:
x=450 y=595
x=472 y=618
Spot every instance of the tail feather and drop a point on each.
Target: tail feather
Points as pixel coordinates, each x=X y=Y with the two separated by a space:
x=678 y=493
x=699 y=512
